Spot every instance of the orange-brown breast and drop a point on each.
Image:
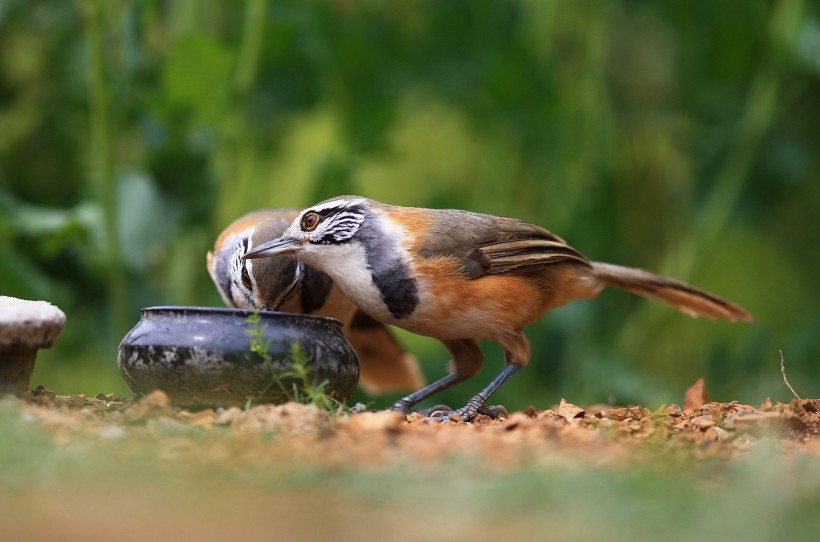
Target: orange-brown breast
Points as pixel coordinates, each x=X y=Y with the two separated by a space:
x=452 y=306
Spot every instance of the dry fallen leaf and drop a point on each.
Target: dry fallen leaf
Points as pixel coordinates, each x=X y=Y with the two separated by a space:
x=569 y=411
x=696 y=395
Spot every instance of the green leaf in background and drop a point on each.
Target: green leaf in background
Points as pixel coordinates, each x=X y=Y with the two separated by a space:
x=147 y=220
x=807 y=44
x=197 y=76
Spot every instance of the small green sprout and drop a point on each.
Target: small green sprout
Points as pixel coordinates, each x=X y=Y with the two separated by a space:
x=303 y=389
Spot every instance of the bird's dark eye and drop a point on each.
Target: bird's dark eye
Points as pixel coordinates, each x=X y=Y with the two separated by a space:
x=246 y=278
x=310 y=221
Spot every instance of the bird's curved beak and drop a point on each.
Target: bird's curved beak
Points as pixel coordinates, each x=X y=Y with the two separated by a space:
x=283 y=245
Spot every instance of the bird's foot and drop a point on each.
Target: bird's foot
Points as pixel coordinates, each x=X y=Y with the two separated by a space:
x=468 y=412
x=443 y=412
x=435 y=410
x=406 y=410
x=463 y=414
x=402 y=407
x=494 y=411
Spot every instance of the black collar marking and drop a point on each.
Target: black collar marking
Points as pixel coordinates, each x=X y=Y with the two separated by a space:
x=315 y=289
x=390 y=274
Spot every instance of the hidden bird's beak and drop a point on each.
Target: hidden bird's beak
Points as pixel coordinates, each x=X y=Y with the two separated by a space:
x=283 y=245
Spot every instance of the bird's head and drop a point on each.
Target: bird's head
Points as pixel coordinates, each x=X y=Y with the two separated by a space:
x=262 y=284
x=333 y=222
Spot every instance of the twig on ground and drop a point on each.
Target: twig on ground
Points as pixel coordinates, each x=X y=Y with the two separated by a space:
x=786 y=380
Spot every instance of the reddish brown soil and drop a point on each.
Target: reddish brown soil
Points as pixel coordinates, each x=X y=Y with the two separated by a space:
x=596 y=434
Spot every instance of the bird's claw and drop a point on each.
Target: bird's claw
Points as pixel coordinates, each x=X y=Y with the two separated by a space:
x=494 y=411
x=463 y=414
x=406 y=410
x=443 y=413
x=467 y=413
x=435 y=410
x=401 y=408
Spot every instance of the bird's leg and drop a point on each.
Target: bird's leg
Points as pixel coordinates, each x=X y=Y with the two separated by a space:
x=516 y=354
x=467 y=361
x=477 y=402
x=406 y=404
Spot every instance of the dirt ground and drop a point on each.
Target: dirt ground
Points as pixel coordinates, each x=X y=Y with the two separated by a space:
x=141 y=468
x=297 y=433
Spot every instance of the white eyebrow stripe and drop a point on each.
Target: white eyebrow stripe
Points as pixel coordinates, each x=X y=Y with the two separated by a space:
x=337 y=204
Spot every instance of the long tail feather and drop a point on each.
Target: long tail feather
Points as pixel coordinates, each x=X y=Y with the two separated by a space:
x=690 y=300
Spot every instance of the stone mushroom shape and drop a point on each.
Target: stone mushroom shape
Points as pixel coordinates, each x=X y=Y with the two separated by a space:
x=25 y=327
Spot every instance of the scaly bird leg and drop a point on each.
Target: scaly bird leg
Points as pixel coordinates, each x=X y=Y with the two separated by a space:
x=477 y=403
x=467 y=361
x=406 y=404
x=516 y=355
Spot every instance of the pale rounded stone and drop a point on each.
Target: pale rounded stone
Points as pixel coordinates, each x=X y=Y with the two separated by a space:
x=28 y=324
x=25 y=327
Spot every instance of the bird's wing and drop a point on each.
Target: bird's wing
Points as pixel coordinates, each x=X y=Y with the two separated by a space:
x=490 y=245
x=521 y=254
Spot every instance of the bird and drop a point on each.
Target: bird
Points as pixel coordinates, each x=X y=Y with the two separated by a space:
x=285 y=284
x=460 y=277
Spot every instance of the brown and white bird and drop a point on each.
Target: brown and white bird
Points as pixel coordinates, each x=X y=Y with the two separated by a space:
x=460 y=276
x=284 y=283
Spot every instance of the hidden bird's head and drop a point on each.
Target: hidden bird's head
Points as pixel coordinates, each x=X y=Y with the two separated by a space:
x=245 y=284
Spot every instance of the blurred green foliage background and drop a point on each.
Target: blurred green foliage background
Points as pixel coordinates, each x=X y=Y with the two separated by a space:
x=679 y=137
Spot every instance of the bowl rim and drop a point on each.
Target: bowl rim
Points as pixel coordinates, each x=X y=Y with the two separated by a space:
x=194 y=310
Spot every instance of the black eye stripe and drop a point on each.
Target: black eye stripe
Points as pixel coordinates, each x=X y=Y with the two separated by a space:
x=246 y=278
x=324 y=213
x=340 y=227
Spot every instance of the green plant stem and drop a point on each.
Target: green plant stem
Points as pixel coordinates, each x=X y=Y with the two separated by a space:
x=304 y=389
x=236 y=180
x=248 y=57
x=101 y=162
x=758 y=116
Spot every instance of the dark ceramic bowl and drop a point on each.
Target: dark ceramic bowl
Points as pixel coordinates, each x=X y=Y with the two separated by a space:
x=202 y=356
